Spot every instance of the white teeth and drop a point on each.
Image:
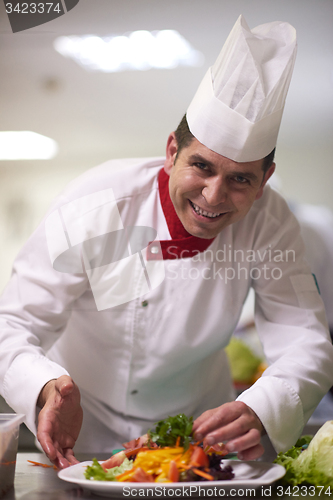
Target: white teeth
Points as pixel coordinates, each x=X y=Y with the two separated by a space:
x=199 y=211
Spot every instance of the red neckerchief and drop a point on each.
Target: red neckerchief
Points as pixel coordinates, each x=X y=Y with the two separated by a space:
x=182 y=244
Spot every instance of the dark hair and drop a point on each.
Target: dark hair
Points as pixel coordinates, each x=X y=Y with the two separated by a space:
x=268 y=160
x=184 y=137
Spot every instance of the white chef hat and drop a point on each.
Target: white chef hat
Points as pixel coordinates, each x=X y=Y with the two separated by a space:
x=238 y=106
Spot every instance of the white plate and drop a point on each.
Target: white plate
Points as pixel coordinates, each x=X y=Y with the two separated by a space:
x=251 y=475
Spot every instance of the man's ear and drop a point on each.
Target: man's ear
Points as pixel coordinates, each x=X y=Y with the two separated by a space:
x=267 y=175
x=171 y=152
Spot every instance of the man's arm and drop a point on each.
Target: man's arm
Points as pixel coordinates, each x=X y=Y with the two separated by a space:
x=35 y=308
x=235 y=423
x=291 y=325
x=60 y=420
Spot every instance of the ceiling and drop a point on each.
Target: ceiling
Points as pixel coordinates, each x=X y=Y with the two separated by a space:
x=96 y=116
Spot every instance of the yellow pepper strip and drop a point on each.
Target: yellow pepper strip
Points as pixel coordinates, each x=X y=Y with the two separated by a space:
x=156 y=462
x=152 y=461
x=126 y=476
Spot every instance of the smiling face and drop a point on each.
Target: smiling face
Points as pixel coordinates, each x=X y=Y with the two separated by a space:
x=209 y=191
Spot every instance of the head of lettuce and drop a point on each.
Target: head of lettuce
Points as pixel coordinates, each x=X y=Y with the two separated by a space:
x=314 y=465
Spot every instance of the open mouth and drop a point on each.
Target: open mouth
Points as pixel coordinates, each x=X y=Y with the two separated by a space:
x=205 y=213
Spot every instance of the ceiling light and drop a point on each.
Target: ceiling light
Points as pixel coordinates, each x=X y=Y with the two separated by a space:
x=140 y=50
x=25 y=145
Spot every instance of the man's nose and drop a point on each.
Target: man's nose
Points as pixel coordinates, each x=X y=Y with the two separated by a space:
x=215 y=191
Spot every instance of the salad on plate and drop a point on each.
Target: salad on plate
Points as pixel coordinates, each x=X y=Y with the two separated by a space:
x=166 y=454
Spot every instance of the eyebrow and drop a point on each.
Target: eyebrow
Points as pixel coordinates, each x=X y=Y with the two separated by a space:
x=201 y=159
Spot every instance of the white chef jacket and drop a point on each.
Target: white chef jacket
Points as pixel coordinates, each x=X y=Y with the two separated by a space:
x=161 y=352
x=317 y=232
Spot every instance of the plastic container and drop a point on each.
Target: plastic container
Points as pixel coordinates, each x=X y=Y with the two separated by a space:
x=9 y=433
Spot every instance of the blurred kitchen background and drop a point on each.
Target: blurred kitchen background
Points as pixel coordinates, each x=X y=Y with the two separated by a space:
x=95 y=115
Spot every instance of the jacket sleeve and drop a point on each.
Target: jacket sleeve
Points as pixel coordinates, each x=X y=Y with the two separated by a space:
x=34 y=310
x=292 y=327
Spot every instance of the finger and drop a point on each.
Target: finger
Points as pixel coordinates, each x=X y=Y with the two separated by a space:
x=61 y=462
x=210 y=417
x=64 y=385
x=238 y=427
x=64 y=456
x=70 y=457
x=217 y=419
x=208 y=421
x=200 y=420
x=252 y=453
x=244 y=442
x=47 y=444
x=49 y=451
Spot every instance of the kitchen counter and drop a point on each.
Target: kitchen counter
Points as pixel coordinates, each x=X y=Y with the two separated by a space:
x=39 y=483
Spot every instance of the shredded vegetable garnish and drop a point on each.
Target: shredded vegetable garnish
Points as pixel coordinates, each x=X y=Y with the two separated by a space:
x=39 y=464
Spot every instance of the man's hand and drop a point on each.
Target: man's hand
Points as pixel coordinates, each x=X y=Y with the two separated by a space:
x=60 y=420
x=235 y=423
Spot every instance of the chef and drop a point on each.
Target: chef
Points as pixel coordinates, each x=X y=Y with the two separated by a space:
x=122 y=301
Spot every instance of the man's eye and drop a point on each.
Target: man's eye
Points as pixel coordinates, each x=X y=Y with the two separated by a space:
x=240 y=179
x=201 y=166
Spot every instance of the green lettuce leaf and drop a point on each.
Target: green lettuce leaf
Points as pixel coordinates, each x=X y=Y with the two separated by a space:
x=167 y=431
x=310 y=461
x=97 y=473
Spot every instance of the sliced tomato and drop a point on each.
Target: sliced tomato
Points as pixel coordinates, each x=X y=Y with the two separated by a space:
x=114 y=461
x=141 y=476
x=173 y=473
x=136 y=443
x=199 y=458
